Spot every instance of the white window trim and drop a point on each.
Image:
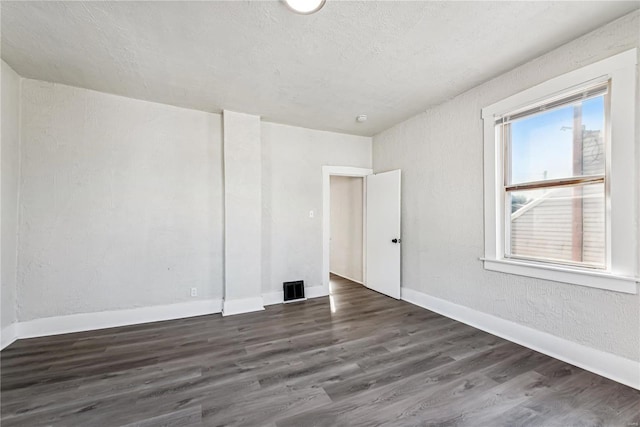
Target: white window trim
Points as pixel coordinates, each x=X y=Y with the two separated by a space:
x=622 y=233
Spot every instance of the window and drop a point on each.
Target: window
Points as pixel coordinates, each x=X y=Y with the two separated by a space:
x=560 y=187
x=554 y=179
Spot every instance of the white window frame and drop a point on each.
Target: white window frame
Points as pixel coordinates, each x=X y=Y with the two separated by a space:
x=621 y=272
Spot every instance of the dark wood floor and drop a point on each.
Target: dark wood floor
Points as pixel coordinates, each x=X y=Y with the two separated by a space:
x=359 y=359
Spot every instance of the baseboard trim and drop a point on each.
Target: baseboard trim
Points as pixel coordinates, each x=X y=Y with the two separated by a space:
x=8 y=335
x=616 y=368
x=114 y=318
x=81 y=322
x=348 y=278
x=272 y=298
x=293 y=301
x=242 y=305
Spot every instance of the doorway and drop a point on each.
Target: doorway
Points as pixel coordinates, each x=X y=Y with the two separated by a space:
x=381 y=228
x=327 y=173
x=346 y=247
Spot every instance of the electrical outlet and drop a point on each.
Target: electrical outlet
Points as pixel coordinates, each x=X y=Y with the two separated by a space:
x=310 y=214
x=194 y=292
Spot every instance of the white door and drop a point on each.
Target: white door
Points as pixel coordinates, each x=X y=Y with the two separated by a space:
x=383 y=233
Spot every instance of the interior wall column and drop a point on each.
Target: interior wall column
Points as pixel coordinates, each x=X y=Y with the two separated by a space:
x=243 y=210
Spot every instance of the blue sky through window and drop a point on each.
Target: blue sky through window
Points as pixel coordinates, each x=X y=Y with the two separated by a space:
x=544 y=142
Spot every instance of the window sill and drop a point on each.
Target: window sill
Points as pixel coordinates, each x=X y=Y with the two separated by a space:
x=592 y=279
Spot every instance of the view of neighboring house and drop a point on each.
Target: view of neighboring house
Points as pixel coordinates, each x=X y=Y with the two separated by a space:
x=545 y=227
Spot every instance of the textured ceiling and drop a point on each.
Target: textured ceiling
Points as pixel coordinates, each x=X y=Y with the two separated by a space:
x=389 y=60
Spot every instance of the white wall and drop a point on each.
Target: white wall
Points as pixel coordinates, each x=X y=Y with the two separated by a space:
x=346 y=227
x=10 y=92
x=440 y=154
x=243 y=212
x=121 y=203
x=291 y=187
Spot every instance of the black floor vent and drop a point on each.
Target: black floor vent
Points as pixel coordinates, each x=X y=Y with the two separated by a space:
x=293 y=291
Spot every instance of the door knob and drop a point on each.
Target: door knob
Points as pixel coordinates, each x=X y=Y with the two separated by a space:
x=396 y=241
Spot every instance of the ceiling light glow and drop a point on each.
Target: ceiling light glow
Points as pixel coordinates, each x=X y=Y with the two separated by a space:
x=305 y=7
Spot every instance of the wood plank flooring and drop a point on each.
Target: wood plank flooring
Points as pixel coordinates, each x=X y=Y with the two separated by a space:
x=355 y=359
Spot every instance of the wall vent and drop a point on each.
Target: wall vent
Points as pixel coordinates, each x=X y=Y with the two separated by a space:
x=293 y=291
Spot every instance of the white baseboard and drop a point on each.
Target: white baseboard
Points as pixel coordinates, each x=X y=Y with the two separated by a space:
x=110 y=319
x=272 y=298
x=617 y=368
x=243 y=305
x=8 y=335
x=347 y=277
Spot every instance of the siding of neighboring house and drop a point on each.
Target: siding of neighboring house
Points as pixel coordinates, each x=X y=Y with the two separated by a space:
x=543 y=227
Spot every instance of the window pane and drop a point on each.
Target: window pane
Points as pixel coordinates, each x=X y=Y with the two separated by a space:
x=566 y=224
x=561 y=143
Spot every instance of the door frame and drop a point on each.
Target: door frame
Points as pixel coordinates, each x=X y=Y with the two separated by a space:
x=327 y=172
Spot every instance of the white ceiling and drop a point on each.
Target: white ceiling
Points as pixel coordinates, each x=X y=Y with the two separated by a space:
x=389 y=60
